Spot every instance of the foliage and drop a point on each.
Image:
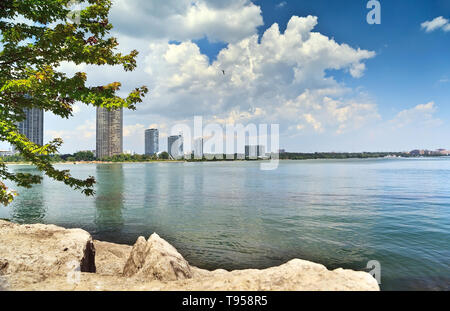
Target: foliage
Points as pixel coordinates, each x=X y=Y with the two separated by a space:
x=84 y=156
x=164 y=155
x=333 y=155
x=30 y=55
x=129 y=158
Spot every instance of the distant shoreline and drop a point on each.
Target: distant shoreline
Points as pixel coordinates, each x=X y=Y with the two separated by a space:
x=225 y=160
x=94 y=162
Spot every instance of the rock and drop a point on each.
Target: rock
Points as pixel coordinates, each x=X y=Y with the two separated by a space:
x=3 y=266
x=37 y=257
x=110 y=258
x=296 y=275
x=40 y=249
x=137 y=257
x=156 y=259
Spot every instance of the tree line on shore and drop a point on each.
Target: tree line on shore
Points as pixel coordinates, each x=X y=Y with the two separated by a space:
x=342 y=155
x=89 y=156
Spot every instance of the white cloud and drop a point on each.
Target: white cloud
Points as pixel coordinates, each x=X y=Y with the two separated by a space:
x=419 y=116
x=262 y=79
x=435 y=24
x=86 y=130
x=444 y=80
x=181 y=20
x=278 y=78
x=329 y=110
x=357 y=70
x=83 y=136
x=313 y=122
x=133 y=130
x=281 y=5
x=76 y=108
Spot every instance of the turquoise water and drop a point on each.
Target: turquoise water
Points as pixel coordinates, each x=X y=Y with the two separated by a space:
x=232 y=215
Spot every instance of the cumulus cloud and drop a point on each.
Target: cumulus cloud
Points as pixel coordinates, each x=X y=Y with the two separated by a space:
x=419 y=116
x=435 y=24
x=83 y=131
x=132 y=130
x=329 y=110
x=276 y=77
x=263 y=78
x=226 y=21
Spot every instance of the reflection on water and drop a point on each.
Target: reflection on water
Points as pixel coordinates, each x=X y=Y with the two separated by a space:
x=234 y=216
x=109 y=199
x=30 y=205
x=152 y=188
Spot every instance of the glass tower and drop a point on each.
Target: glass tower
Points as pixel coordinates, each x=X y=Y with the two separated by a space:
x=33 y=125
x=151 y=141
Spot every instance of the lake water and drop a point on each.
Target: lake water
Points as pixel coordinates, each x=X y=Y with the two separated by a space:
x=232 y=215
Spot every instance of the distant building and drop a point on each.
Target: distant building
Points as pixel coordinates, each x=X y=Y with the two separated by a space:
x=6 y=153
x=443 y=152
x=175 y=146
x=261 y=151
x=151 y=141
x=33 y=125
x=198 y=148
x=109 y=132
x=281 y=151
x=254 y=151
x=417 y=152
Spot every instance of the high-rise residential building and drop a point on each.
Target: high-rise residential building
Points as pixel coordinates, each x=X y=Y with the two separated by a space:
x=198 y=148
x=33 y=125
x=109 y=132
x=151 y=141
x=261 y=151
x=175 y=146
x=254 y=151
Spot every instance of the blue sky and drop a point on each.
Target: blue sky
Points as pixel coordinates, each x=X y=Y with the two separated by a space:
x=411 y=66
x=333 y=82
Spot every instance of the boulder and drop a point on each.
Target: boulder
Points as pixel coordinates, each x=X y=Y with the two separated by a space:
x=40 y=257
x=295 y=275
x=44 y=249
x=110 y=258
x=156 y=259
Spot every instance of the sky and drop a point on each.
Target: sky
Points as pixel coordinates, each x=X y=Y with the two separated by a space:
x=331 y=81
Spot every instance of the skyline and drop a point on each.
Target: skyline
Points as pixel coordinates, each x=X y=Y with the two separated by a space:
x=365 y=87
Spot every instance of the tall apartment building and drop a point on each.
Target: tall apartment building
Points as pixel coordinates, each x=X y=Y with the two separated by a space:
x=33 y=125
x=198 y=148
x=109 y=132
x=175 y=146
x=151 y=141
x=254 y=151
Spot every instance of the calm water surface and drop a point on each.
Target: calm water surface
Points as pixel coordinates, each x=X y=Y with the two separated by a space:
x=340 y=213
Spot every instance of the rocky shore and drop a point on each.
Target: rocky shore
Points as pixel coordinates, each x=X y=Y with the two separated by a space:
x=47 y=257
